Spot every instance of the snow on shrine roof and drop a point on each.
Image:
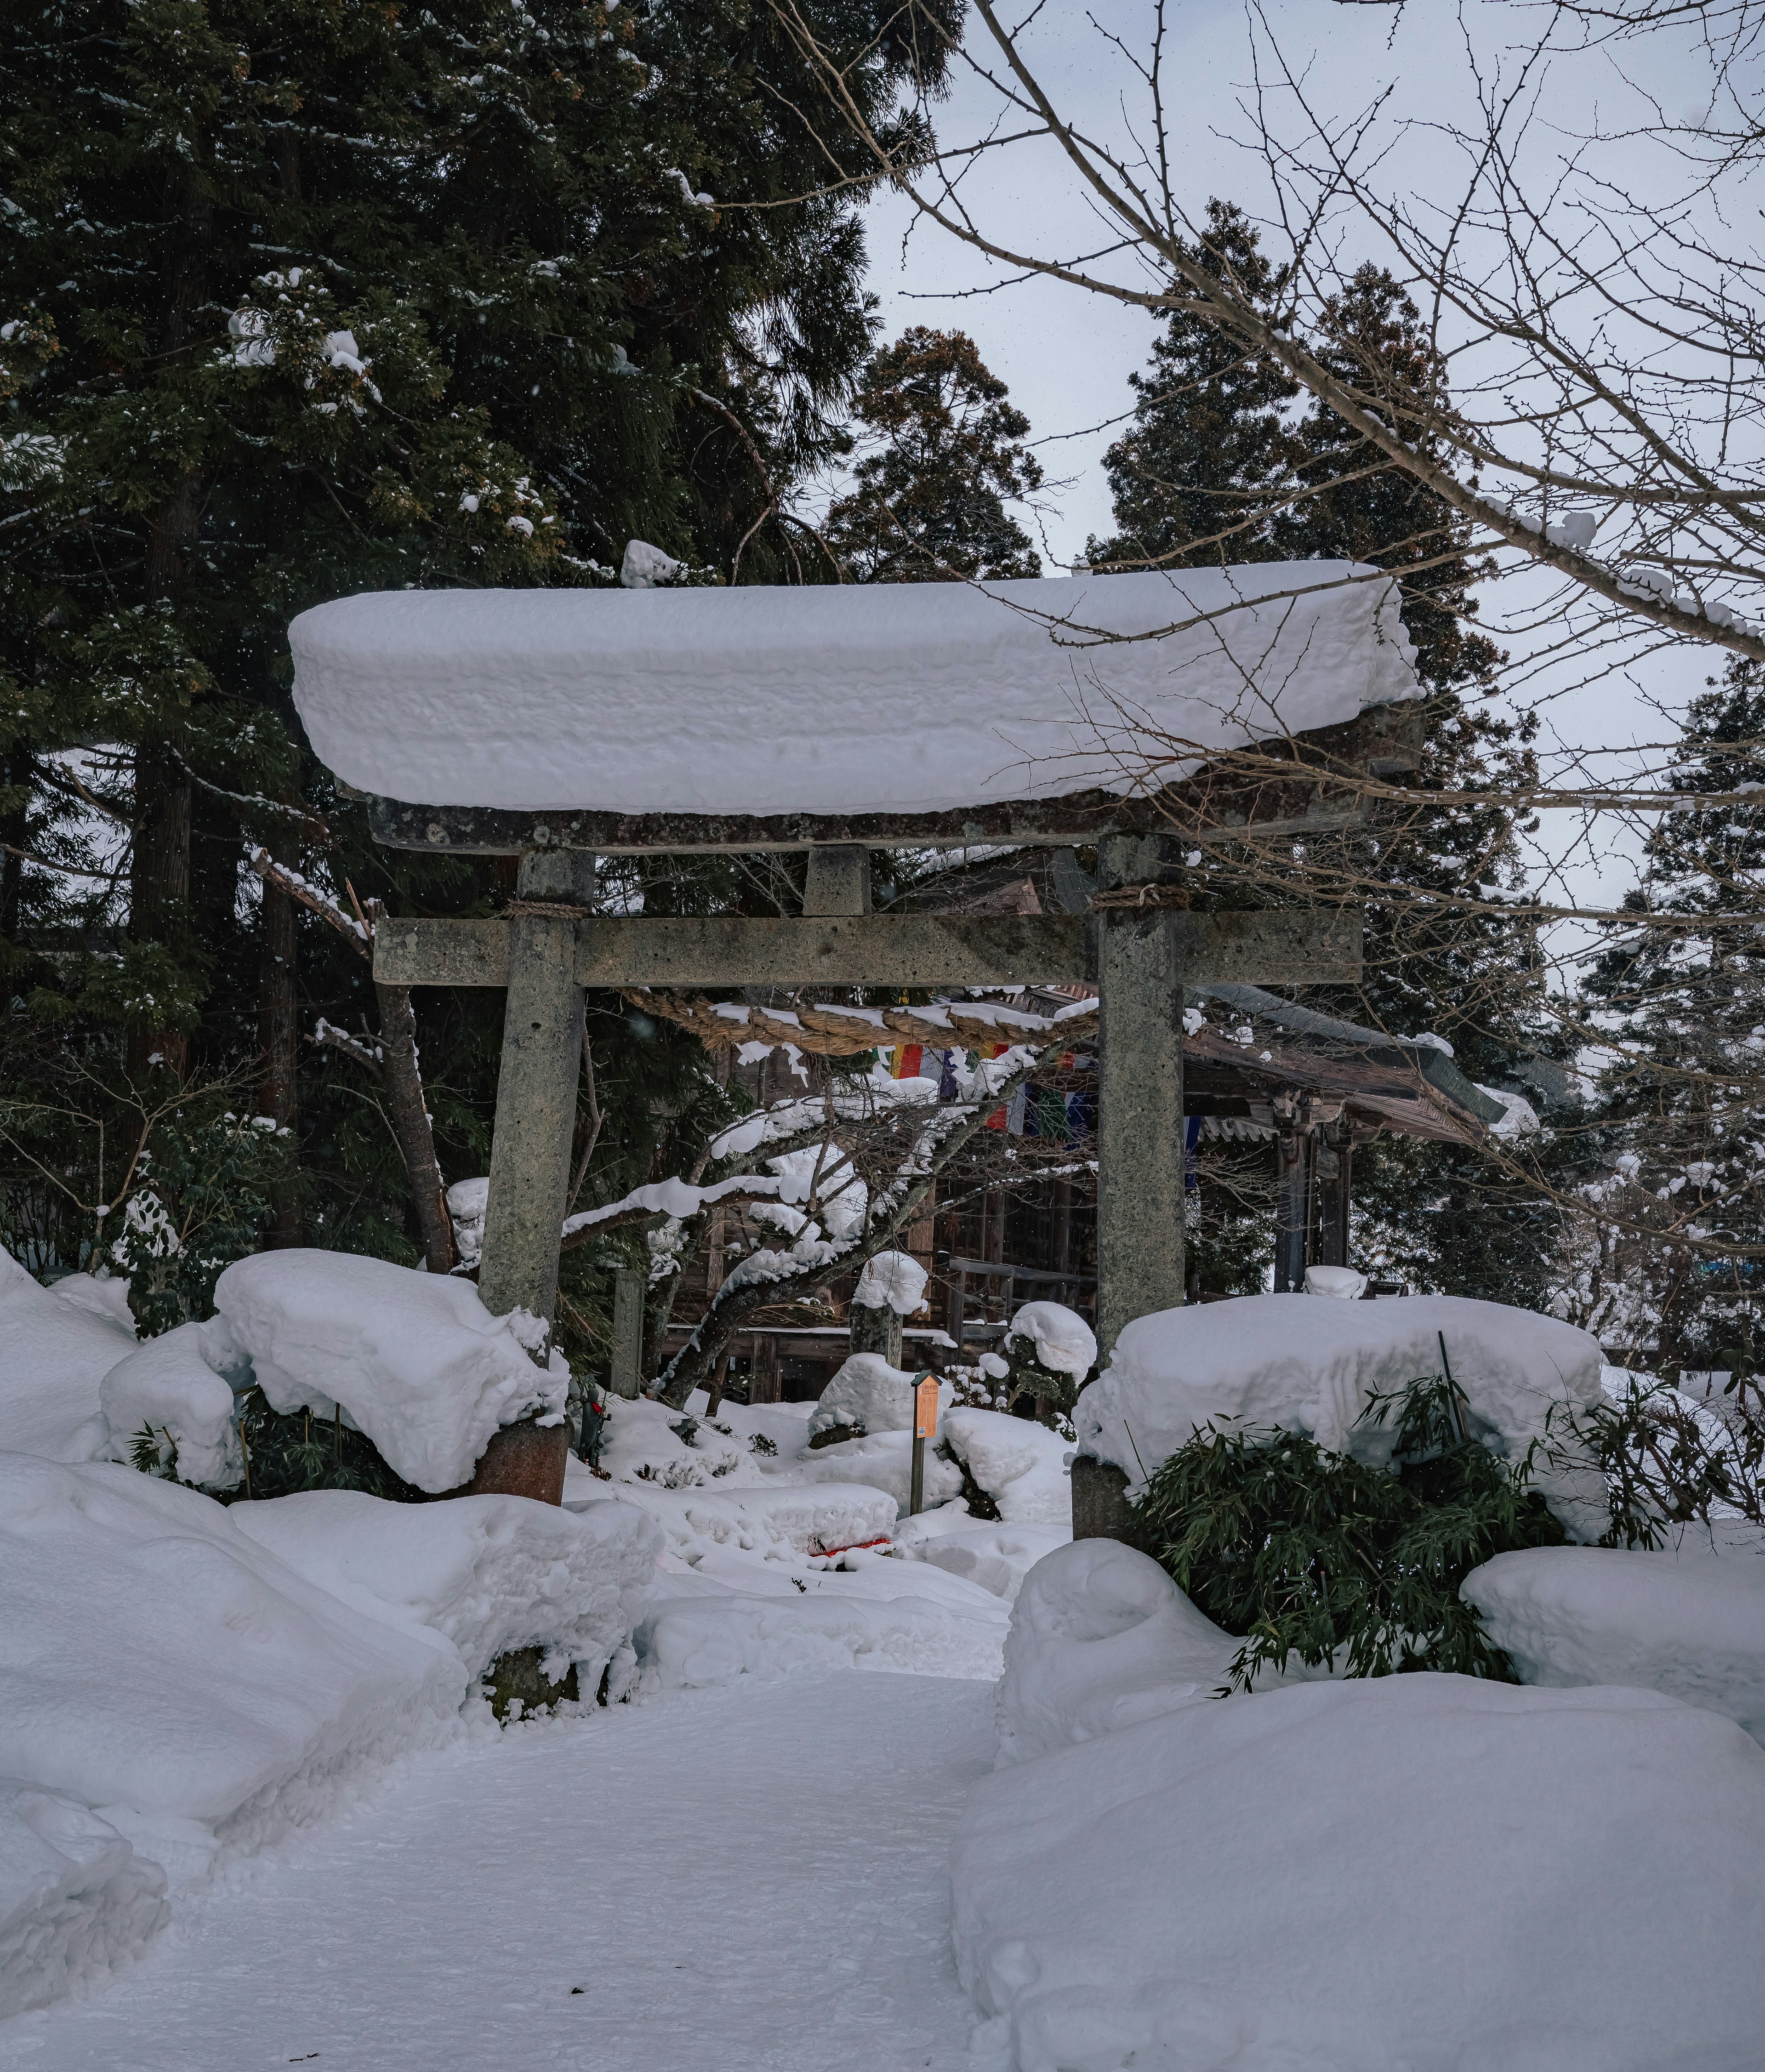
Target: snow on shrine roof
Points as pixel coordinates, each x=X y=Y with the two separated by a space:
x=887 y=697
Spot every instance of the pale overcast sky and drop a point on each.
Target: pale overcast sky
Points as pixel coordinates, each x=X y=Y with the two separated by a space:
x=1067 y=355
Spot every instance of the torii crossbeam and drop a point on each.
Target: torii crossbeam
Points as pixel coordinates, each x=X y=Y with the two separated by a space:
x=569 y=676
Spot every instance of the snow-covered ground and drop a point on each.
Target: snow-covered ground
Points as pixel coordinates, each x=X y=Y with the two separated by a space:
x=748 y=1879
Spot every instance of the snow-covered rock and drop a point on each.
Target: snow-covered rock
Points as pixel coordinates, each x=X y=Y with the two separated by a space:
x=416 y=1360
x=921 y=698
x=482 y=1574
x=870 y=1396
x=176 y=1388
x=1689 y=1620
x=53 y=1352
x=1102 y=1638
x=1420 y=1873
x=1023 y=1465
x=884 y=1461
x=1065 y=1342
x=75 y=1898
x=997 y=1557
x=783 y=1523
x=1297 y=1365
x=160 y=1666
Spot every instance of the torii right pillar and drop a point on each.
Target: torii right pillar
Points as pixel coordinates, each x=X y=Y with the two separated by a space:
x=1141 y=1154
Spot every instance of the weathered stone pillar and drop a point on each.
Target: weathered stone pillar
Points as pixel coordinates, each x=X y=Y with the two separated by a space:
x=627 y=1377
x=530 y=1160
x=1140 y=1146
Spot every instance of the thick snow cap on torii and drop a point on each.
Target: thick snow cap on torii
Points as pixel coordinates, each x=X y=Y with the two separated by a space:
x=885 y=697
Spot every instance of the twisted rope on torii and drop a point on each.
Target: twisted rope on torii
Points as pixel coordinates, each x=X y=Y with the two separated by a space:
x=830 y=1031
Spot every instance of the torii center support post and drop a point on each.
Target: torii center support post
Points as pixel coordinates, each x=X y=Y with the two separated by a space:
x=530 y=1151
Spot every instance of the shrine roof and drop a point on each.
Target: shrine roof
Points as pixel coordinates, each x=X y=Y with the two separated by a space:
x=883 y=698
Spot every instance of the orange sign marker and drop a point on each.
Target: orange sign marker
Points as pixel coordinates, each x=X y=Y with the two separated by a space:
x=925 y=1407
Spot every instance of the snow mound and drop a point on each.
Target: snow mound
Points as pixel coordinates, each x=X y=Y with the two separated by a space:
x=891 y=1280
x=1421 y=1873
x=997 y=1557
x=919 y=698
x=158 y=1665
x=1688 y=1621
x=75 y=1898
x=484 y=1573
x=1065 y=1342
x=1280 y=1361
x=870 y=1396
x=1021 y=1465
x=416 y=1360
x=686 y=1643
x=884 y=1461
x=1102 y=1638
x=175 y=1387
x=53 y=1352
x=781 y=1523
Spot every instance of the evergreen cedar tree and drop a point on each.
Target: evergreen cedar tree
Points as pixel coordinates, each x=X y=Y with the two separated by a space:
x=298 y=300
x=928 y=503
x=1684 y=1008
x=1218 y=465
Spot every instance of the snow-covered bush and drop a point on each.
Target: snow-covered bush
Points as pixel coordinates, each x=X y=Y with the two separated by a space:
x=1313 y=1367
x=1316 y=1553
x=413 y=1360
x=169 y=1405
x=1049 y=1349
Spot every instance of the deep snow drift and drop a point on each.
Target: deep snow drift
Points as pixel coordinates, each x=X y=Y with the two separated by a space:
x=1688 y=1620
x=75 y=1898
x=1305 y=1363
x=926 y=695
x=55 y=1351
x=1418 y=1873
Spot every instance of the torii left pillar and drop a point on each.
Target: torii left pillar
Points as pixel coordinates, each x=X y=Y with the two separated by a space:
x=530 y=1151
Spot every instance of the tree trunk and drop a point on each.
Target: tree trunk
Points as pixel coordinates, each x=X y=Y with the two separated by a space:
x=279 y=1092
x=158 y=896
x=402 y=1082
x=13 y=830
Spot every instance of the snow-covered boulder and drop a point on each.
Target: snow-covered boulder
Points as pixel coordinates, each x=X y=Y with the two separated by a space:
x=997 y=1557
x=1102 y=1638
x=176 y=1388
x=1299 y=1365
x=415 y=1360
x=1430 y=1872
x=75 y=1898
x=483 y=1574
x=1063 y=1341
x=1023 y=1465
x=868 y=1394
x=884 y=1461
x=1689 y=1620
x=782 y=1524
x=163 y=1668
x=53 y=1352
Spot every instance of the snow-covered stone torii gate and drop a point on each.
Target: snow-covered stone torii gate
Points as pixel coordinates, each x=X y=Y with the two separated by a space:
x=557 y=725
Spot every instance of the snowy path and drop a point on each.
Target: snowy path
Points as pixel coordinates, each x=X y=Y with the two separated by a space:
x=752 y=1878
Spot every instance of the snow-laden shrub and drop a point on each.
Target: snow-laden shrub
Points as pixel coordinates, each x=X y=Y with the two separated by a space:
x=1330 y=1557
